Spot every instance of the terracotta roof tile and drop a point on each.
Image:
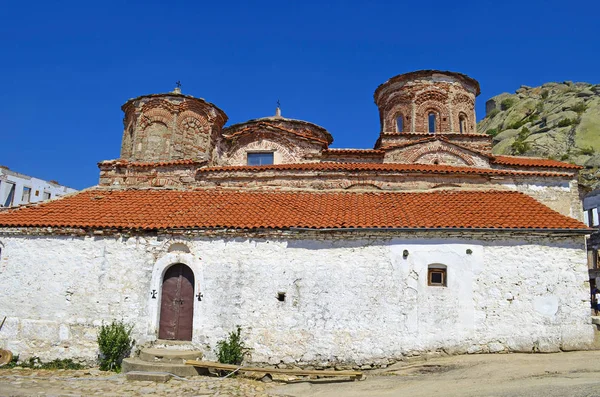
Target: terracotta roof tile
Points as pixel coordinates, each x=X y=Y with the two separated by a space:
x=206 y=209
x=122 y=162
x=353 y=151
x=381 y=167
x=533 y=162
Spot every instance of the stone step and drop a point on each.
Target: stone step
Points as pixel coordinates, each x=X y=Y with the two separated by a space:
x=137 y=365
x=148 y=376
x=155 y=355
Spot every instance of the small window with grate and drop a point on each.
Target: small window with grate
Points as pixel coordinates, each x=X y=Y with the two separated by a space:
x=260 y=158
x=437 y=275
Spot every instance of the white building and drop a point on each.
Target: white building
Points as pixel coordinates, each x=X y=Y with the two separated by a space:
x=18 y=189
x=427 y=242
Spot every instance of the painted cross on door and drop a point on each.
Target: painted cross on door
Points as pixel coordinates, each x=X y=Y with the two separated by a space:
x=177 y=304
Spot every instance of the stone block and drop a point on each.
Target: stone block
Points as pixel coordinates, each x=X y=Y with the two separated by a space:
x=147 y=376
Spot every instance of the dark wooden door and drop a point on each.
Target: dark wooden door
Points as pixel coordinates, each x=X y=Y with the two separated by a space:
x=177 y=303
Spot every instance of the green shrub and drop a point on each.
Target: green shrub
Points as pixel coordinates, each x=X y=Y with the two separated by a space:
x=566 y=122
x=232 y=350
x=589 y=151
x=115 y=343
x=492 y=113
x=564 y=157
x=579 y=108
x=539 y=107
x=507 y=103
x=35 y=362
x=519 y=146
x=545 y=94
x=492 y=131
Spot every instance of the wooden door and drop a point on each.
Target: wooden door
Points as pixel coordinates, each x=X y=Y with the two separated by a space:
x=177 y=303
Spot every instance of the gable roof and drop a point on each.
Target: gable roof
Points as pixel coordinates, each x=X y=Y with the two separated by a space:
x=209 y=209
x=533 y=162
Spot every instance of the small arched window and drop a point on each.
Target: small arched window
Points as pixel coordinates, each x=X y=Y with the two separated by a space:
x=437 y=275
x=462 y=123
x=431 y=122
x=399 y=123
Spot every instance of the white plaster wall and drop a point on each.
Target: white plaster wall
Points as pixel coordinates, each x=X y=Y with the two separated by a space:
x=351 y=300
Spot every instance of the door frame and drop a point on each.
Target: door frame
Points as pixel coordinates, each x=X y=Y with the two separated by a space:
x=158 y=274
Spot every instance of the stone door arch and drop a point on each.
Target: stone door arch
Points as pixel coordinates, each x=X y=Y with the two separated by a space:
x=177 y=303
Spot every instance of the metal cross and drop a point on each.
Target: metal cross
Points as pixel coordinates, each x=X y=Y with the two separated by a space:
x=178 y=84
x=278 y=104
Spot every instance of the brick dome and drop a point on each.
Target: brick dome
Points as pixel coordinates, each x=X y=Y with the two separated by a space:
x=428 y=101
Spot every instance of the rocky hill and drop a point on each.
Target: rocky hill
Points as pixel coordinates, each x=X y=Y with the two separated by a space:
x=557 y=120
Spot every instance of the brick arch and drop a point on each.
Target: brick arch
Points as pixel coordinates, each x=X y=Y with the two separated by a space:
x=431 y=95
x=442 y=116
x=400 y=108
x=442 y=157
x=155 y=115
x=437 y=148
x=460 y=115
x=372 y=185
x=238 y=154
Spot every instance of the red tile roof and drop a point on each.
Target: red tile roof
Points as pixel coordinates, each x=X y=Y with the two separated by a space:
x=353 y=151
x=206 y=209
x=380 y=167
x=124 y=163
x=533 y=162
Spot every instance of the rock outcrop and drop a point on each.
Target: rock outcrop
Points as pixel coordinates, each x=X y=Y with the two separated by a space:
x=557 y=120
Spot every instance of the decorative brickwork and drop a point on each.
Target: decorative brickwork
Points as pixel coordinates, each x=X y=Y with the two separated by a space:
x=436 y=152
x=170 y=127
x=447 y=95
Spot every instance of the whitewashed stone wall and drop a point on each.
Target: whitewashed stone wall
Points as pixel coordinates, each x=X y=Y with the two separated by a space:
x=350 y=298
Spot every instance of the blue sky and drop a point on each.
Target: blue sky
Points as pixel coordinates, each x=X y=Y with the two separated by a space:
x=67 y=67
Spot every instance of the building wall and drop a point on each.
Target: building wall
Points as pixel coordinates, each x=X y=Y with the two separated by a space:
x=351 y=298
x=38 y=187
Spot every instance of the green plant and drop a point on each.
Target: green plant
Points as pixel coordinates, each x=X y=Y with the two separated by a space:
x=566 y=122
x=519 y=146
x=492 y=113
x=588 y=151
x=579 y=108
x=492 y=131
x=35 y=362
x=232 y=350
x=564 y=157
x=115 y=343
x=545 y=94
x=507 y=103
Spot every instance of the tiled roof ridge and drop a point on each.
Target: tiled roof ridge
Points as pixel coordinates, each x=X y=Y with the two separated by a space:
x=383 y=167
x=130 y=163
x=467 y=135
x=532 y=162
x=352 y=150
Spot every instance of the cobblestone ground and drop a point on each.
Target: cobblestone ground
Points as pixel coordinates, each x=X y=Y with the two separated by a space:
x=92 y=382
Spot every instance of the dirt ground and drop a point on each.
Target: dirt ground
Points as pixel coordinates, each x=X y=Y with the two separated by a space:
x=499 y=375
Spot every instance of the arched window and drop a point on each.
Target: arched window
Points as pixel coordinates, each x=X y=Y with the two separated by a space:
x=399 y=123
x=437 y=275
x=462 y=123
x=431 y=122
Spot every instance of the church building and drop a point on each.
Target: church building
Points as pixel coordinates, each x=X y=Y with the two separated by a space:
x=323 y=256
